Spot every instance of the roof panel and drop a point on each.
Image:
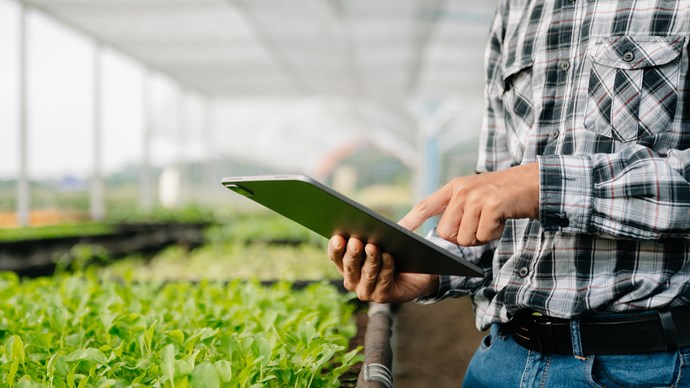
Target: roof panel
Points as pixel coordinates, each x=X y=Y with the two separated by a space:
x=388 y=48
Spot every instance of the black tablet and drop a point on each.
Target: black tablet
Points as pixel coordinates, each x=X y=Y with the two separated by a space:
x=327 y=212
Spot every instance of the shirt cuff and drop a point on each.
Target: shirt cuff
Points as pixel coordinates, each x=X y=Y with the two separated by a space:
x=565 y=193
x=443 y=290
x=448 y=286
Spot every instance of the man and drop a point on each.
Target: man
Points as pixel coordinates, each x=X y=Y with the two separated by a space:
x=580 y=215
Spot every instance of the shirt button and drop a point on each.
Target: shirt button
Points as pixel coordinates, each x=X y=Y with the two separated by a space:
x=628 y=56
x=565 y=65
x=554 y=134
x=523 y=272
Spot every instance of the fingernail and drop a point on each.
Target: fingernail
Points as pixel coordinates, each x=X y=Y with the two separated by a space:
x=367 y=250
x=352 y=246
x=336 y=244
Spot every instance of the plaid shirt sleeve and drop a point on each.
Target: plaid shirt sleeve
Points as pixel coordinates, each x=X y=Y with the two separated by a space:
x=634 y=193
x=457 y=286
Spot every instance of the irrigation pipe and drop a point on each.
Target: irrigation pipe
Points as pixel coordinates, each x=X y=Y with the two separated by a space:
x=378 y=356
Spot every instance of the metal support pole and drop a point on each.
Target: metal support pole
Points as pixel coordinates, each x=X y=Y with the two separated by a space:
x=97 y=200
x=431 y=172
x=210 y=180
x=180 y=132
x=145 y=179
x=432 y=164
x=23 y=189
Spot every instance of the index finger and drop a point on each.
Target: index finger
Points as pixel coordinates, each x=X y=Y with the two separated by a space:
x=428 y=207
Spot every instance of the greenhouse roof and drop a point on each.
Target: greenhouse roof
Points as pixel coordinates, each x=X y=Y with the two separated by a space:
x=351 y=48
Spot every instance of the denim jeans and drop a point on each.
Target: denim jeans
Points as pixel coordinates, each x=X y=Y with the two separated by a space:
x=500 y=362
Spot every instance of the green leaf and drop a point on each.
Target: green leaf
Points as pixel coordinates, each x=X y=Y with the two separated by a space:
x=186 y=364
x=176 y=335
x=224 y=370
x=14 y=366
x=262 y=349
x=83 y=382
x=26 y=382
x=205 y=375
x=168 y=361
x=89 y=354
x=16 y=348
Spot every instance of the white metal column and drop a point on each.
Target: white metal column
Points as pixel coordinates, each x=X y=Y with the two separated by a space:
x=431 y=167
x=181 y=126
x=428 y=173
x=145 y=179
x=97 y=201
x=23 y=189
x=211 y=180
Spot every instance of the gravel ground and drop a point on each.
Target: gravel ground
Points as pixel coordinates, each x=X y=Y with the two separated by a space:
x=432 y=344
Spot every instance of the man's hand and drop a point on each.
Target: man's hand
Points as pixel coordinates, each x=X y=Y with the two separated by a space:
x=474 y=210
x=371 y=273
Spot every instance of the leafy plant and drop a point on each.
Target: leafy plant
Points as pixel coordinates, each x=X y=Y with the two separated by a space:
x=230 y=260
x=186 y=214
x=261 y=228
x=80 y=330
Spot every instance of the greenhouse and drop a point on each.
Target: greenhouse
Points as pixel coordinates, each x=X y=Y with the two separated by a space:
x=125 y=262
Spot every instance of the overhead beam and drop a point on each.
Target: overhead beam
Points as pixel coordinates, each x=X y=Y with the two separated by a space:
x=350 y=50
x=294 y=76
x=424 y=32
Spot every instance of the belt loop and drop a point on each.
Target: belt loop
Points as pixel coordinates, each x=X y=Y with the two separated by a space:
x=575 y=338
x=669 y=329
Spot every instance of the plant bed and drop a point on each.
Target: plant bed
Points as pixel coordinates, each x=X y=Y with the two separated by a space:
x=263 y=228
x=229 y=260
x=81 y=330
x=36 y=256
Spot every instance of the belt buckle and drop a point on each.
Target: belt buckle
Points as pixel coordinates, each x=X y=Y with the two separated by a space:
x=541 y=334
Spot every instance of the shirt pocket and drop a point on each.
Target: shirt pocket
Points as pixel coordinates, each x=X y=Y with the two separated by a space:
x=518 y=107
x=632 y=91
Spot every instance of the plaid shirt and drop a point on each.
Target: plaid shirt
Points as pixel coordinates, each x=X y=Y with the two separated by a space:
x=597 y=93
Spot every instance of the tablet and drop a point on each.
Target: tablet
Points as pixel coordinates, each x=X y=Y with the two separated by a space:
x=327 y=212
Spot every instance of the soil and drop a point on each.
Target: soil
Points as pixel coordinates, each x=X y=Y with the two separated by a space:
x=433 y=344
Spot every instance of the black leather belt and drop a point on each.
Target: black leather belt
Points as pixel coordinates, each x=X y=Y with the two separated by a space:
x=629 y=333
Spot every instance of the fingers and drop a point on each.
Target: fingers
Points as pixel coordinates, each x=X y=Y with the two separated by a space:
x=449 y=223
x=430 y=206
x=370 y=272
x=352 y=263
x=366 y=270
x=490 y=227
x=379 y=288
x=385 y=279
x=467 y=234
